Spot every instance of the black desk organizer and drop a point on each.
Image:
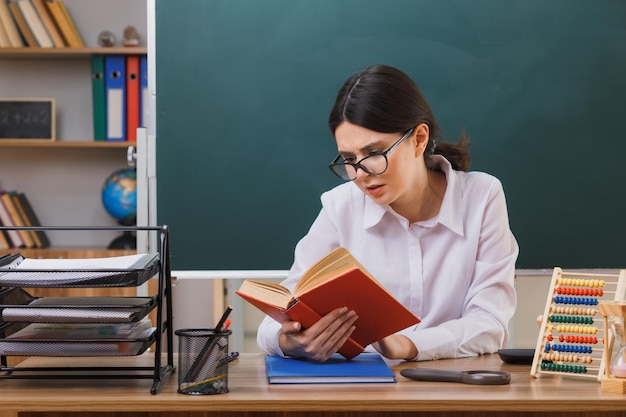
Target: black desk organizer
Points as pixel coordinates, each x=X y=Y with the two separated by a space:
x=12 y=295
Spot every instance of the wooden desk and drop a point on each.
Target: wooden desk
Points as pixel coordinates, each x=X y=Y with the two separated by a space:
x=250 y=395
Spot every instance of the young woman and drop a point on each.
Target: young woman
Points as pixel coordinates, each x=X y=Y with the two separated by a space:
x=435 y=235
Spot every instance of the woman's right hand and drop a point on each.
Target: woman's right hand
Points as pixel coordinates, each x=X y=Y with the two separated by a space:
x=320 y=341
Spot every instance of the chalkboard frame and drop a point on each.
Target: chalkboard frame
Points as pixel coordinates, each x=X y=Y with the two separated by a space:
x=46 y=107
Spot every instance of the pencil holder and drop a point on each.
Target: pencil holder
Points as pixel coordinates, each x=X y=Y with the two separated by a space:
x=202 y=361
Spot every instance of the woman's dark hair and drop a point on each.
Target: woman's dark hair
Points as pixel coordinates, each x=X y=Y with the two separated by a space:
x=384 y=99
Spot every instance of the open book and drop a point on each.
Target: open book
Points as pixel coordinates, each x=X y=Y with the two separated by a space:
x=336 y=280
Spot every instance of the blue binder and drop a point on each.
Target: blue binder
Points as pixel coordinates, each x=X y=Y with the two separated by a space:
x=365 y=368
x=115 y=84
x=143 y=93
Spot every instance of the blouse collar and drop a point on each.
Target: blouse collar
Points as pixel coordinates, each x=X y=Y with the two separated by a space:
x=450 y=213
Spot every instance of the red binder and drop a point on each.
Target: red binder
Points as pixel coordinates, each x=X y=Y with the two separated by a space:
x=132 y=97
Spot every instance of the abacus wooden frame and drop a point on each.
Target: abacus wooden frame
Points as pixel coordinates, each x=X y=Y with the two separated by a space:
x=618 y=280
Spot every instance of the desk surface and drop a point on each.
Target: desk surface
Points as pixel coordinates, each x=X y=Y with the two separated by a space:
x=249 y=391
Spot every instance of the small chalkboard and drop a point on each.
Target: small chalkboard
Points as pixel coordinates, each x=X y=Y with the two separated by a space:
x=27 y=119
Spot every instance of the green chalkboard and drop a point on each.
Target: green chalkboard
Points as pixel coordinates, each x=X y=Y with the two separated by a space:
x=244 y=87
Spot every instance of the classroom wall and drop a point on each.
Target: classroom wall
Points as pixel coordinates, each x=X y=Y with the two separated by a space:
x=244 y=89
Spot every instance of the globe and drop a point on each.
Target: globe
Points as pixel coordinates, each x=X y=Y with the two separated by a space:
x=119 y=196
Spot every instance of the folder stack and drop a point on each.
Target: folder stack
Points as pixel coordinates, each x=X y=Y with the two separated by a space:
x=119 y=96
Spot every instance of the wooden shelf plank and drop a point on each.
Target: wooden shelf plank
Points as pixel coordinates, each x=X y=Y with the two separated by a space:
x=65 y=53
x=25 y=143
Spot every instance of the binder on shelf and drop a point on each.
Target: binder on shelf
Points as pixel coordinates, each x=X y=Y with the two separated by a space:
x=22 y=25
x=143 y=96
x=65 y=23
x=35 y=23
x=9 y=26
x=49 y=24
x=132 y=97
x=98 y=98
x=115 y=86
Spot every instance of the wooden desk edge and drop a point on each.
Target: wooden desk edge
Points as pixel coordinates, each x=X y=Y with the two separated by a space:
x=251 y=393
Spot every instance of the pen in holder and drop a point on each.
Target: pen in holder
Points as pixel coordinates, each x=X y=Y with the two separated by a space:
x=203 y=359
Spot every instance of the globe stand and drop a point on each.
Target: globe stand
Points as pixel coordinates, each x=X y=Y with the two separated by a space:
x=125 y=241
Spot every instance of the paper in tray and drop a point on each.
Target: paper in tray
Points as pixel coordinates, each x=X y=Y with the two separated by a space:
x=79 y=340
x=79 y=309
x=78 y=348
x=119 y=271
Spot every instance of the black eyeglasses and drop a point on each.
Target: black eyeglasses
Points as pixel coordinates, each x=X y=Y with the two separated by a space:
x=374 y=164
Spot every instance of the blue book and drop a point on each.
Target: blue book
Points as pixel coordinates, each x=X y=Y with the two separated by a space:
x=366 y=367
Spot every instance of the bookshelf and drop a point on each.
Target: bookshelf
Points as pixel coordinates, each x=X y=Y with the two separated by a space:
x=63 y=178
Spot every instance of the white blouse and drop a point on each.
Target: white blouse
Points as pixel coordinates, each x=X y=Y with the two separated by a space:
x=454 y=271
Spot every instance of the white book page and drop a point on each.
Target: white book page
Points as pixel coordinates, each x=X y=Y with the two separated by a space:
x=116 y=262
x=73 y=270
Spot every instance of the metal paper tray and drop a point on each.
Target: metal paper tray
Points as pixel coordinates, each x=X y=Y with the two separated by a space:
x=82 y=309
x=77 y=347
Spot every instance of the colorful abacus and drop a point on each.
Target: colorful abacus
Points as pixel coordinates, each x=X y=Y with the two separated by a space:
x=571 y=335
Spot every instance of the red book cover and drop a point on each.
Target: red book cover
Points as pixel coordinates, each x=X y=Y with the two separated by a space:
x=343 y=281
